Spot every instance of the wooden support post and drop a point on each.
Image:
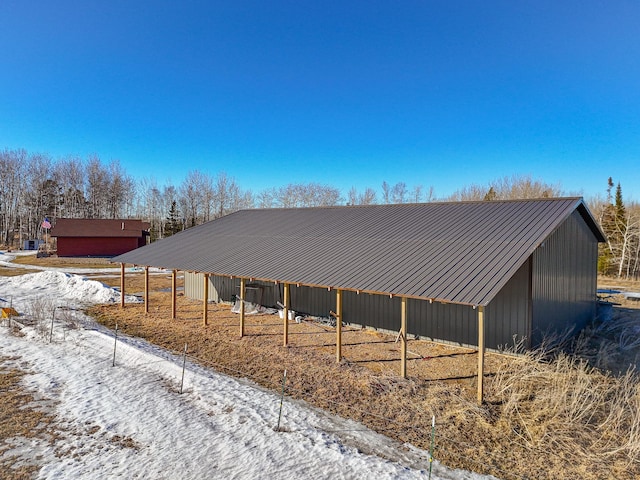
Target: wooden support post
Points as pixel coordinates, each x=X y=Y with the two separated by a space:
x=403 y=338
x=481 y=349
x=338 y=325
x=243 y=286
x=285 y=314
x=205 y=300
x=146 y=289
x=122 y=274
x=174 y=275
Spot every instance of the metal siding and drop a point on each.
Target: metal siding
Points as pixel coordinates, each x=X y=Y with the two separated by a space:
x=508 y=313
x=94 y=246
x=99 y=227
x=193 y=285
x=377 y=311
x=564 y=279
x=449 y=323
x=221 y=289
x=313 y=301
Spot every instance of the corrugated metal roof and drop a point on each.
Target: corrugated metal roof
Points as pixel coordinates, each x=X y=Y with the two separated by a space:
x=98 y=227
x=458 y=252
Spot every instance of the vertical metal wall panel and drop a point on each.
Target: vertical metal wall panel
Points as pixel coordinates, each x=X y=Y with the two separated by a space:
x=267 y=294
x=193 y=287
x=377 y=311
x=508 y=314
x=313 y=301
x=449 y=323
x=564 y=279
x=221 y=289
x=507 y=317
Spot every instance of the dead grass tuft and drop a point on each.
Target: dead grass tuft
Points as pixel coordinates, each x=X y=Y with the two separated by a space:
x=19 y=418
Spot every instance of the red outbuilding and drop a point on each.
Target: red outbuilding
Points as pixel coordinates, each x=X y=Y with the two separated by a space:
x=81 y=237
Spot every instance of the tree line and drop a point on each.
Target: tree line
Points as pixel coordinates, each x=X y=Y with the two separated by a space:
x=620 y=221
x=37 y=186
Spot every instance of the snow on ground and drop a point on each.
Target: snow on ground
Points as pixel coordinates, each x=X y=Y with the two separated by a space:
x=7 y=258
x=59 y=287
x=130 y=420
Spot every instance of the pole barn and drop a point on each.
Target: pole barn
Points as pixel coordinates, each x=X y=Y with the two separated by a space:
x=482 y=274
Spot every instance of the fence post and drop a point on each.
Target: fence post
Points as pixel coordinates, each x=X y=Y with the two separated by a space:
x=184 y=361
x=53 y=316
x=433 y=438
x=284 y=381
x=115 y=342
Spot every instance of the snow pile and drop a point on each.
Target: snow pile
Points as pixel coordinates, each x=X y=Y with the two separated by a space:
x=64 y=287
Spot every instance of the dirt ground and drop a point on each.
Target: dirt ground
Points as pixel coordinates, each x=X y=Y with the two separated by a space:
x=377 y=351
x=364 y=386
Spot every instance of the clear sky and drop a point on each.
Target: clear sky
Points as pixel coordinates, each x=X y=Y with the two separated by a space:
x=346 y=93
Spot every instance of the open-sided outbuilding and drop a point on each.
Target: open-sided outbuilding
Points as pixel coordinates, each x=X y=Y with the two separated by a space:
x=472 y=273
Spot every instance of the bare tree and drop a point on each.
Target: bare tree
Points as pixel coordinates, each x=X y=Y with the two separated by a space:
x=227 y=195
x=399 y=193
x=190 y=199
x=416 y=194
x=296 y=195
x=469 y=193
x=69 y=174
x=352 y=196
x=40 y=195
x=386 y=192
x=149 y=207
x=12 y=165
x=266 y=199
x=517 y=187
x=368 y=197
x=121 y=191
x=508 y=188
x=97 y=195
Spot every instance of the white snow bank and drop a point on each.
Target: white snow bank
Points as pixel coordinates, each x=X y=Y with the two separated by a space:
x=65 y=288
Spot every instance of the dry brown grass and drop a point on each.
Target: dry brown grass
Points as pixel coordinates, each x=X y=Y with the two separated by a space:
x=568 y=407
x=13 y=272
x=54 y=261
x=543 y=419
x=19 y=417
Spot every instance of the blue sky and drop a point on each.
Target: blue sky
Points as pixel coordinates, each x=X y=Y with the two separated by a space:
x=433 y=93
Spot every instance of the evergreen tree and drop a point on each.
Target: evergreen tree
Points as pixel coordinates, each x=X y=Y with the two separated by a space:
x=605 y=250
x=621 y=213
x=491 y=195
x=173 y=225
x=614 y=225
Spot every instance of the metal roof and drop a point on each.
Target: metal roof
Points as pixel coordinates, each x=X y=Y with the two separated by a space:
x=457 y=252
x=98 y=227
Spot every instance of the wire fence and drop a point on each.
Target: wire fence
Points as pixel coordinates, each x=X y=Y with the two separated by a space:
x=57 y=328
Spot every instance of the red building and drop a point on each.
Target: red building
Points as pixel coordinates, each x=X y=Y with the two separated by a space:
x=81 y=237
